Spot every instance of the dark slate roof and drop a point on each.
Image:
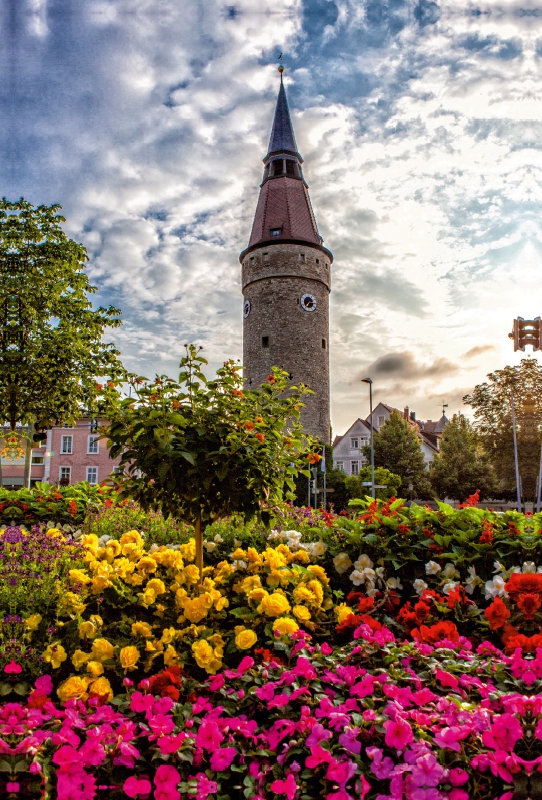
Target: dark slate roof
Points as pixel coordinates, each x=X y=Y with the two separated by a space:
x=282 y=134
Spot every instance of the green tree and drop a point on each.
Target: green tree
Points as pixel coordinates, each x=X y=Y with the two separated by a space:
x=383 y=477
x=397 y=447
x=491 y=402
x=200 y=450
x=460 y=468
x=51 y=348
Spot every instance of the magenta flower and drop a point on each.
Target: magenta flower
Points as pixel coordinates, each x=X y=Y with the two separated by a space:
x=205 y=786
x=457 y=776
x=398 y=733
x=141 y=702
x=504 y=733
x=318 y=756
x=137 y=787
x=13 y=668
x=449 y=738
x=287 y=787
x=209 y=736
x=44 y=684
x=340 y=772
x=446 y=679
x=222 y=759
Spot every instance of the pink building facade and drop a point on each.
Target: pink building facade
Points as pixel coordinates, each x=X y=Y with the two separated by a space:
x=68 y=455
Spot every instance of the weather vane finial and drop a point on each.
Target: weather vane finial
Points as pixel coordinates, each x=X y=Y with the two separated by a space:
x=281 y=68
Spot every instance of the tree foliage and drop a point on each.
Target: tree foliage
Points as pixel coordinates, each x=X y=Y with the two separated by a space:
x=491 y=402
x=200 y=450
x=397 y=447
x=51 y=348
x=460 y=467
x=383 y=477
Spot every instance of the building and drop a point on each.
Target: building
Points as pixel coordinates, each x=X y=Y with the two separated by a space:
x=69 y=454
x=348 y=449
x=286 y=279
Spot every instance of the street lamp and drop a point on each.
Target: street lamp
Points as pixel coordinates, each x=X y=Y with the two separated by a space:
x=369 y=381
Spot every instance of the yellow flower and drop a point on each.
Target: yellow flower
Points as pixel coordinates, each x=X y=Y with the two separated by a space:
x=146 y=565
x=102 y=650
x=74 y=687
x=285 y=625
x=301 y=557
x=79 y=576
x=79 y=658
x=253 y=557
x=245 y=639
x=221 y=602
x=129 y=656
x=319 y=572
x=194 y=609
x=102 y=688
x=274 y=605
x=32 y=621
x=90 y=542
x=168 y=634
x=132 y=537
x=123 y=568
x=95 y=669
x=157 y=586
x=147 y=597
x=258 y=594
x=188 y=551
x=71 y=603
x=342 y=611
x=52 y=532
x=275 y=559
x=112 y=549
x=55 y=655
x=239 y=555
x=223 y=570
x=141 y=629
x=316 y=587
x=191 y=573
x=205 y=656
x=170 y=656
x=310 y=593
x=302 y=613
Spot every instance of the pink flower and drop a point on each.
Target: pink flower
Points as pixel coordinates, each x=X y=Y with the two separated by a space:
x=216 y=682
x=427 y=771
x=135 y=787
x=205 y=786
x=161 y=725
x=209 y=736
x=67 y=759
x=381 y=767
x=457 y=776
x=446 y=679
x=459 y=794
x=222 y=759
x=326 y=649
x=449 y=738
x=340 y=772
x=44 y=685
x=398 y=733
x=318 y=734
x=363 y=787
x=504 y=733
x=141 y=702
x=318 y=756
x=13 y=668
x=166 y=780
x=13 y=786
x=287 y=787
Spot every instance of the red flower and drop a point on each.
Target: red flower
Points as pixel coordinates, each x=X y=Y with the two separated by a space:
x=271 y=379
x=314 y=458
x=496 y=614
x=260 y=437
x=366 y=604
x=422 y=611
x=525 y=590
x=472 y=500
x=167 y=683
x=249 y=425
x=72 y=507
x=437 y=632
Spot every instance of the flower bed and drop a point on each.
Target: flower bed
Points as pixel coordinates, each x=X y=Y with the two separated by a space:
x=350 y=658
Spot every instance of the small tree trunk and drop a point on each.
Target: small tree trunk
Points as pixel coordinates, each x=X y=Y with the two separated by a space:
x=28 y=457
x=199 y=548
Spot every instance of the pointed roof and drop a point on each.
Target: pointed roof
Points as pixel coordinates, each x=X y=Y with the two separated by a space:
x=282 y=133
x=284 y=212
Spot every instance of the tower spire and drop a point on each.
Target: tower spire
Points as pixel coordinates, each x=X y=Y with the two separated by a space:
x=282 y=137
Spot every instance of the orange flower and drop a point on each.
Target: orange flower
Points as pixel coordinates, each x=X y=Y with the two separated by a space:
x=258 y=419
x=288 y=442
x=238 y=392
x=176 y=404
x=249 y=425
x=271 y=379
x=99 y=386
x=153 y=398
x=314 y=458
x=496 y=614
x=260 y=437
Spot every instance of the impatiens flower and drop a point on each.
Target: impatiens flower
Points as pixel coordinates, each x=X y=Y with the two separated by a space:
x=398 y=733
x=446 y=679
x=287 y=787
x=221 y=759
x=504 y=733
x=209 y=736
x=205 y=786
x=340 y=772
x=137 y=787
x=457 y=776
x=449 y=737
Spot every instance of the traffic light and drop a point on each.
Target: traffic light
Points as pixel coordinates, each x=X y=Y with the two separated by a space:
x=527 y=332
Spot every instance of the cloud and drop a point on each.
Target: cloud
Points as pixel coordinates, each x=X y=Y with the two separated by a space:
x=478 y=350
x=404 y=365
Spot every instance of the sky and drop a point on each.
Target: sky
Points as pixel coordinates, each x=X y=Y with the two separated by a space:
x=420 y=123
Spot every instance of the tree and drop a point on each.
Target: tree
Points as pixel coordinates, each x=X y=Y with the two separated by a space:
x=200 y=450
x=460 y=468
x=492 y=406
x=383 y=477
x=397 y=447
x=51 y=348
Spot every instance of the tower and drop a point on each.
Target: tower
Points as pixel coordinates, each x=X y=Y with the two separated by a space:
x=286 y=279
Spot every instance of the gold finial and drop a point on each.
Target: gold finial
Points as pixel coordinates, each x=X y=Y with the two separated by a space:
x=281 y=70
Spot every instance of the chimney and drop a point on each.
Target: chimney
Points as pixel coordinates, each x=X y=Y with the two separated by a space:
x=406 y=412
x=413 y=416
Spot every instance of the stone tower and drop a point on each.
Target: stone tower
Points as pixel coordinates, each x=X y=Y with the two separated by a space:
x=286 y=280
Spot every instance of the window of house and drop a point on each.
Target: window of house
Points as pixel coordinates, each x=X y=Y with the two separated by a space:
x=354 y=468
x=381 y=421
x=68 y=426
x=93 y=444
x=38 y=458
x=118 y=471
x=276 y=231
x=354 y=443
x=265 y=341
x=92 y=475
x=65 y=475
x=340 y=465
x=67 y=444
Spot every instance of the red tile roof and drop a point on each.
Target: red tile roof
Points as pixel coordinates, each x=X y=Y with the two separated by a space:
x=284 y=203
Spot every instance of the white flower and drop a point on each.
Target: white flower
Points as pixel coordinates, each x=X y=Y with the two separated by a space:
x=498 y=567
x=380 y=572
x=371 y=592
x=369 y=573
x=394 y=583
x=314 y=549
x=275 y=535
x=102 y=541
x=218 y=538
x=363 y=562
x=449 y=587
x=239 y=565
x=153 y=548
x=357 y=577
x=528 y=567
x=210 y=546
x=237 y=543
x=420 y=586
x=472 y=581
x=495 y=588
x=449 y=571
x=431 y=568
x=342 y=563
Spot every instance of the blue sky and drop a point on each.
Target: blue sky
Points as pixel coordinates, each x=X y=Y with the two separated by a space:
x=420 y=125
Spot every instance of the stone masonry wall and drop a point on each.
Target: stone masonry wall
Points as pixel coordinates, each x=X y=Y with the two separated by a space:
x=275 y=278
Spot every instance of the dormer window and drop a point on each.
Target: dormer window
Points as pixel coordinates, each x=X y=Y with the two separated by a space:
x=278 y=167
x=276 y=231
x=290 y=167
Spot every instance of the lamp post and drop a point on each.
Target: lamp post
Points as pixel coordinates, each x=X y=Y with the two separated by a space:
x=518 y=484
x=370 y=382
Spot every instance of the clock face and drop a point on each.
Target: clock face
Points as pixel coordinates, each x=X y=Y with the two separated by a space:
x=308 y=302
x=246 y=308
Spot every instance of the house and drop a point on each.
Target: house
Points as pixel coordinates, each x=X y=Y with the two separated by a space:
x=68 y=455
x=347 y=449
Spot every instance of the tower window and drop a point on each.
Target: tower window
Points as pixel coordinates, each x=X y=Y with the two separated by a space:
x=317 y=260
x=302 y=256
x=276 y=231
x=278 y=167
x=323 y=344
x=251 y=259
x=290 y=167
x=265 y=341
x=266 y=256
